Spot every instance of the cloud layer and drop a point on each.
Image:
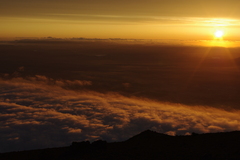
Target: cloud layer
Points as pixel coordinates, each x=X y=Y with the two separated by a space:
x=39 y=112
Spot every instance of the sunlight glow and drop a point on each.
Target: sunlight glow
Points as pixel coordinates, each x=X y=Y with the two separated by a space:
x=219 y=34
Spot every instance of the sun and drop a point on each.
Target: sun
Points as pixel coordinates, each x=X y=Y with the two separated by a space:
x=219 y=33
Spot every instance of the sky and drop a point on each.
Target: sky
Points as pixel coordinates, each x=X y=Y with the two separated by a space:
x=152 y=19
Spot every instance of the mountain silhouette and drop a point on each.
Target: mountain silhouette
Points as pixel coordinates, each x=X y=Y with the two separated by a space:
x=144 y=146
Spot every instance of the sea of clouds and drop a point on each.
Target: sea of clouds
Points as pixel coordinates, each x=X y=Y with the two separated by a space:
x=39 y=112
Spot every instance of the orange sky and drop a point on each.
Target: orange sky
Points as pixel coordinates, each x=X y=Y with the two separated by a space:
x=152 y=19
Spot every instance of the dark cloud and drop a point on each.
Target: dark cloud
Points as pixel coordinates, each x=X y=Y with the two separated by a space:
x=152 y=7
x=39 y=112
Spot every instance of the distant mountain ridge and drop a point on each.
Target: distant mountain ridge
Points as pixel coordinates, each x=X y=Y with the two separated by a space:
x=144 y=146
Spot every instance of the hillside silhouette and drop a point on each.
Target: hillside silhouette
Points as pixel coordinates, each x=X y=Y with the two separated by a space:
x=144 y=146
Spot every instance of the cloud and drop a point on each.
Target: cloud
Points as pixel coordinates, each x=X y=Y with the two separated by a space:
x=39 y=112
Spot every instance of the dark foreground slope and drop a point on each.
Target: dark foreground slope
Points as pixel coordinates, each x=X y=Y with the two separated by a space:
x=144 y=146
